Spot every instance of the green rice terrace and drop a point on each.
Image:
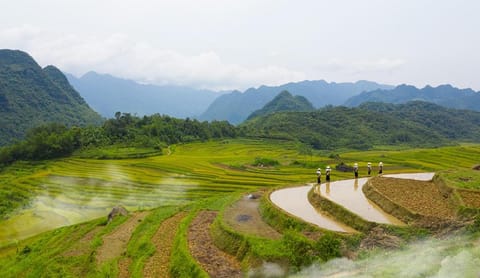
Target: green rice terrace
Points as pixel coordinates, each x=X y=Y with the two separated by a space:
x=204 y=210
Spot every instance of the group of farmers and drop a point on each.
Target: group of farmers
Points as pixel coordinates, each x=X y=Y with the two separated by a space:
x=328 y=170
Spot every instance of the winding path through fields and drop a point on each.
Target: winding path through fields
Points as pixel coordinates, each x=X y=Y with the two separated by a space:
x=347 y=193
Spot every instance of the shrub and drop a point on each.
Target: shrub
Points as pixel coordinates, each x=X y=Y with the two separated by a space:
x=262 y=161
x=328 y=247
x=300 y=250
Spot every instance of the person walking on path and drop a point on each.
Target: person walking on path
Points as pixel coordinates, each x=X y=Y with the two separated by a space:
x=327 y=173
x=319 y=175
x=369 y=167
x=380 y=168
x=355 y=170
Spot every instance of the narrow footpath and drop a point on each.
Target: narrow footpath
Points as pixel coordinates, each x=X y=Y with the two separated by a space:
x=213 y=260
x=158 y=264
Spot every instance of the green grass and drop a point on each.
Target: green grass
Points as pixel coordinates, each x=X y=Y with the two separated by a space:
x=47 y=255
x=117 y=152
x=462 y=178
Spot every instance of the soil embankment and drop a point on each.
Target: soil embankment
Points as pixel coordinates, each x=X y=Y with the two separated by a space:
x=115 y=243
x=157 y=265
x=214 y=261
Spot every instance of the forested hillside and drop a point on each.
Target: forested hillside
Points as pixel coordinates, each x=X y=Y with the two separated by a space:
x=412 y=124
x=284 y=102
x=31 y=96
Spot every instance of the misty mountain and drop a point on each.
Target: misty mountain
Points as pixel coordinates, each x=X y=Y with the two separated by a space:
x=31 y=96
x=108 y=94
x=236 y=106
x=444 y=95
x=284 y=102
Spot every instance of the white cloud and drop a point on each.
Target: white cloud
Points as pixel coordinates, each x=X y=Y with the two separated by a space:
x=357 y=66
x=119 y=55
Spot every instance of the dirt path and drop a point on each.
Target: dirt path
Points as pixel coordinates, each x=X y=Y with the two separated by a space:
x=214 y=261
x=243 y=216
x=157 y=265
x=116 y=242
x=82 y=247
x=123 y=265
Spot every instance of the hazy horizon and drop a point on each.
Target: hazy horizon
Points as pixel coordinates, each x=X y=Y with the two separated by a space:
x=227 y=45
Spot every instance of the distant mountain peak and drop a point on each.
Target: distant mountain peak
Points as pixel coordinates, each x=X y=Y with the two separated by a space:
x=284 y=101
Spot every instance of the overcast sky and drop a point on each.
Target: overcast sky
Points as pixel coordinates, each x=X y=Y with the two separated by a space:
x=236 y=44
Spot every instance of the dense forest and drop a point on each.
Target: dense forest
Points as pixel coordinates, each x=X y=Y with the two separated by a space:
x=156 y=131
x=371 y=124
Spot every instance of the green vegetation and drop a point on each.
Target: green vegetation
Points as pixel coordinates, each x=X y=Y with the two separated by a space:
x=57 y=253
x=124 y=136
x=31 y=96
x=91 y=186
x=263 y=161
x=465 y=178
x=202 y=175
x=416 y=124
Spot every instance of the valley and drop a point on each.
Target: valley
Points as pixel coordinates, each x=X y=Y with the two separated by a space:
x=259 y=139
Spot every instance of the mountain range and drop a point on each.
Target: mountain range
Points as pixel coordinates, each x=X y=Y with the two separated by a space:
x=235 y=107
x=31 y=96
x=108 y=94
x=444 y=95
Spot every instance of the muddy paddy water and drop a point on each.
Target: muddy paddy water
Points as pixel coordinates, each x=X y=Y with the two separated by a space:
x=347 y=193
x=294 y=200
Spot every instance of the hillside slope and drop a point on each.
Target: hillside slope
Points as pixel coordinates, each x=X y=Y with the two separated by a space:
x=108 y=94
x=236 y=106
x=414 y=124
x=30 y=96
x=444 y=95
x=284 y=102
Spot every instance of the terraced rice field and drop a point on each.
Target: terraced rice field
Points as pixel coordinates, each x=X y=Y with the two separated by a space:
x=73 y=190
x=206 y=176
